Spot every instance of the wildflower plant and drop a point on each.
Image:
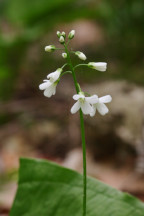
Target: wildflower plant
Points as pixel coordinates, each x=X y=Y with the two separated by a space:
x=86 y=105
x=46 y=189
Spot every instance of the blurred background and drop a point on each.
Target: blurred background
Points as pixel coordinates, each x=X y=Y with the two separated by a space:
x=32 y=125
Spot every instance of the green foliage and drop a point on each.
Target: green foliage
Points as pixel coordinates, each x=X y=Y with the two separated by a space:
x=47 y=189
x=11 y=54
x=124 y=29
x=27 y=12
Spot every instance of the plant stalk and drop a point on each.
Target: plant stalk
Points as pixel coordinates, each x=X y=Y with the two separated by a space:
x=82 y=134
x=84 y=163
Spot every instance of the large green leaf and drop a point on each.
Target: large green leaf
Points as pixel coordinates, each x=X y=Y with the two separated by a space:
x=46 y=189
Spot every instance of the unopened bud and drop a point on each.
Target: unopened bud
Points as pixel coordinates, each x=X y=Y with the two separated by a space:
x=61 y=40
x=80 y=55
x=64 y=55
x=58 y=34
x=71 y=34
x=63 y=34
x=50 y=48
x=100 y=66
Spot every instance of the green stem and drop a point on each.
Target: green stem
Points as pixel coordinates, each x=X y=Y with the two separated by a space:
x=82 y=134
x=79 y=65
x=72 y=69
x=65 y=73
x=84 y=163
x=68 y=42
x=64 y=65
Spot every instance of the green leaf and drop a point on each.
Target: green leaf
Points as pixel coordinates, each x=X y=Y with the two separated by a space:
x=46 y=189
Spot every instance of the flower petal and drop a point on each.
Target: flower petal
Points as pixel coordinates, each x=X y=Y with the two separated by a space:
x=54 y=90
x=86 y=108
x=105 y=99
x=94 y=111
x=50 y=91
x=54 y=76
x=44 y=85
x=78 y=96
x=92 y=100
x=75 y=107
x=101 y=66
x=102 y=108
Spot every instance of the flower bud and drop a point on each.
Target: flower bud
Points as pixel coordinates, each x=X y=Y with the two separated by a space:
x=80 y=55
x=64 y=55
x=63 y=34
x=50 y=48
x=100 y=66
x=61 y=40
x=58 y=34
x=71 y=34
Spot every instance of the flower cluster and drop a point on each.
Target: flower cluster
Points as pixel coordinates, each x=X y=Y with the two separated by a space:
x=89 y=104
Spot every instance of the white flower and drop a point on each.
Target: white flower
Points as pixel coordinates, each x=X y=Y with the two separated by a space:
x=71 y=34
x=84 y=103
x=80 y=55
x=100 y=66
x=100 y=105
x=61 y=40
x=64 y=55
x=54 y=75
x=49 y=86
x=50 y=48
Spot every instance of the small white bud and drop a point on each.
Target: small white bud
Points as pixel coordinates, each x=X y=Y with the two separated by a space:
x=50 y=48
x=64 y=55
x=58 y=34
x=63 y=34
x=80 y=55
x=61 y=40
x=71 y=34
x=100 y=66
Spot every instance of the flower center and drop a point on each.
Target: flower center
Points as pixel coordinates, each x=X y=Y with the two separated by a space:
x=82 y=100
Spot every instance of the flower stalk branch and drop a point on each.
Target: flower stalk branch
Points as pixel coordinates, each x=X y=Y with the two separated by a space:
x=79 y=65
